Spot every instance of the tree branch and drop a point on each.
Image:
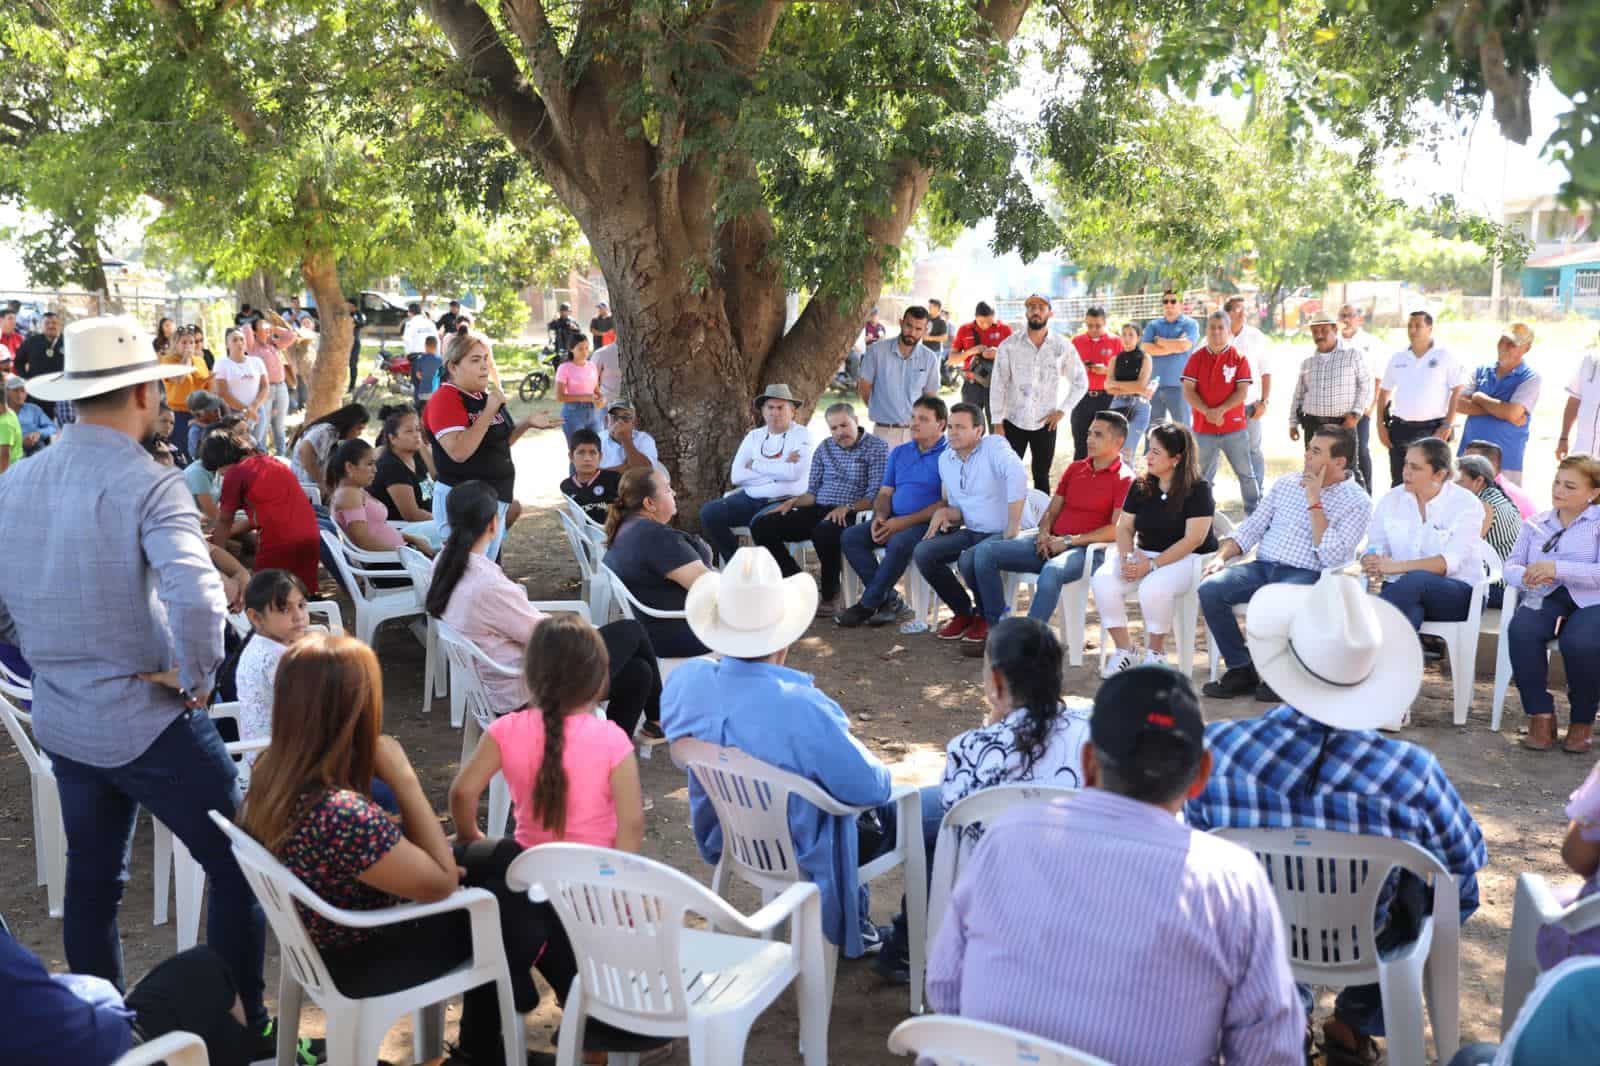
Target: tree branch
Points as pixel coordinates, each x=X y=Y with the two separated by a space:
x=741 y=30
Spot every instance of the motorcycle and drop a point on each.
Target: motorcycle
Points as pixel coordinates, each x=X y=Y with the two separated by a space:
x=536 y=383
x=396 y=377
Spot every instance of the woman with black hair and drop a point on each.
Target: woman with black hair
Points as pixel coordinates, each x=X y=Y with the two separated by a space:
x=257 y=483
x=404 y=483
x=356 y=511
x=315 y=441
x=475 y=598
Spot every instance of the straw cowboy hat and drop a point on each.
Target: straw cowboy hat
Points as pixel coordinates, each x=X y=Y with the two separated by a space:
x=1322 y=318
x=777 y=392
x=750 y=609
x=103 y=355
x=1334 y=653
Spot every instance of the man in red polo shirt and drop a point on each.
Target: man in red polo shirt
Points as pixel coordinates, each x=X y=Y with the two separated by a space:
x=1098 y=350
x=1083 y=512
x=977 y=343
x=1215 y=382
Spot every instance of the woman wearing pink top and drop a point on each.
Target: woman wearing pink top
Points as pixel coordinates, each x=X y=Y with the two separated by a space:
x=578 y=389
x=362 y=516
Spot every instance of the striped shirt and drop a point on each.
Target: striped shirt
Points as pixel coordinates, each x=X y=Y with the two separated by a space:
x=1576 y=554
x=842 y=476
x=1092 y=920
x=1281 y=525
x=1332 y=385
x=1286 y=771
x=1506 y=525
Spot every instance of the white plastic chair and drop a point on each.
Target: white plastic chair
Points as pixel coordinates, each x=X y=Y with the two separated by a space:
x=751 y=799
x=175 y=1049
x=954 y=845
x=579 y=540
x=1461 y=638
x=1327 y=885
x=468 y=664
x=356 y=1027
x=945 y=1040
x=324 y=612
x=641 y=970
x=918 y=593
x=49 y=831
x=1502 y=657
x=1547 y=983
x=374 y=606
x=1536 y=905
x=435 y=675
x=630 y=607
x=1072 y=609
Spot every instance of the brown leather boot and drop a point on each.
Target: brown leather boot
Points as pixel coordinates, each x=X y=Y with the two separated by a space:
x=1580 y=737
x=1541 y=732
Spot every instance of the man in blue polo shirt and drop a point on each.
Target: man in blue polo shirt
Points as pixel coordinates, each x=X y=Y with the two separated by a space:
x=1168 y=341
x=910 y=495
x=1499 y=407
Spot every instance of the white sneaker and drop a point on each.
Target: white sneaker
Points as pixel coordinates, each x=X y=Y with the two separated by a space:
x=1116 y=662
x=1154 y=658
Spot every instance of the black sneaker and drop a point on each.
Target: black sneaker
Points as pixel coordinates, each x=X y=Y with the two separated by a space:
x=852 y=616
x=1264 y=694
x=1235 y=681
x=889 y=613
x=651 y=732
x=309 y=1051
x=872 y=938
x=893 y=963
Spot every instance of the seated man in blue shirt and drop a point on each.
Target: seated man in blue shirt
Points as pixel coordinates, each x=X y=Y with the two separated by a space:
x=38 y=429
x=750 y=614
x=1341 y=662
x=909 y=497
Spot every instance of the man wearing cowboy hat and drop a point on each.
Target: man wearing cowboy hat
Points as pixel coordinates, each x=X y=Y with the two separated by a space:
x=624 y=445
x=773 y=463
x=1344 y=664
x=112 y=597
x=749 y=700
x=1334 y=384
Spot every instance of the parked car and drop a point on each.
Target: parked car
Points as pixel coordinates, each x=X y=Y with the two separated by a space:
x=385 y=318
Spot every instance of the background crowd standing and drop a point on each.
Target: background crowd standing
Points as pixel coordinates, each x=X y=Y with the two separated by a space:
x=117 y=627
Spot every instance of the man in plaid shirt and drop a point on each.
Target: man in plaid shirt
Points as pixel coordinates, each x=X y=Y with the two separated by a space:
x=1342 y=663
x=1334 y=385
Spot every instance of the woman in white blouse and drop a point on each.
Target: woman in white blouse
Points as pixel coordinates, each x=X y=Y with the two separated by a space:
x=1423 y=539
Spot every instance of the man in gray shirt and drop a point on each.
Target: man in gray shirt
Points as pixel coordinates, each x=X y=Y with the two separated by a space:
x=894 y=373
x=111 y=595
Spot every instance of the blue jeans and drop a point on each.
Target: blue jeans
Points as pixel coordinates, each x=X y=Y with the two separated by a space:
x=1220 y=593
x=441 y=493
x=718 y=518
x=1137 y=412
x=1236 y=446
x=1424 y=597
x=1580 y=637
x=1019 y=556
x=273 y=412
x=1258 y=457
x=933 y=558
x=1168 y=405
x=878 y=578
x=184 y=774
x=576 y=416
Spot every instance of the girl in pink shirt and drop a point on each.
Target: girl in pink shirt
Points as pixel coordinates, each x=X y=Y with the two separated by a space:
x=578 y=389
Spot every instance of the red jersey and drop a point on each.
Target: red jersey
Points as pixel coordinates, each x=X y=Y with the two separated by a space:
x=269 y=491
x=1091 y=496
x=1215 y=376
x=971 y=335
x=1103 y=351
x=11 y=341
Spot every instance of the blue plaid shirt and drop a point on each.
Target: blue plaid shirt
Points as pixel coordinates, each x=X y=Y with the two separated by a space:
x=842 y=476
x=1284 y=770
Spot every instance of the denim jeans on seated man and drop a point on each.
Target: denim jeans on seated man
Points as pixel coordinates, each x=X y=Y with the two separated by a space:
x=879 y=578
x=1236 y=446
x=719 y=517
x=1424 y=597
x=993 y=559
x=933 y=558
x=1222 y=592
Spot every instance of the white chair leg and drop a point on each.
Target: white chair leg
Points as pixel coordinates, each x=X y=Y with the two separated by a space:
x=916 y=877
x=427 y=674
x=512 y=1035
x=1535 y=905
x=1463 y=664
x=1400 y=984
x=441 y=675
x=41 y=865
x=290 y=998
x=499 y=805
x=569 y=1043
x=1502 y=675
x=427 y=1032
x=191 y=885
x=815 y=1000
x=163 y=873
x=52 y=846
x=1442 y=985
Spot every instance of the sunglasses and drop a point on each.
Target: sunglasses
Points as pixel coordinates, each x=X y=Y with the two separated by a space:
x=1550 y=545
x=1169 y=301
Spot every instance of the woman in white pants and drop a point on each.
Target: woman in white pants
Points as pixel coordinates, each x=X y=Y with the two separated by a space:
x=1165 y=526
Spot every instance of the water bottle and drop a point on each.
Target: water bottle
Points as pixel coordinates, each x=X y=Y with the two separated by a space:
x=1374 y=581
x=1531 y=598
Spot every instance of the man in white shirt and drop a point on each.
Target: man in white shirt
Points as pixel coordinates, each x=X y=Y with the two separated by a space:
x=623 y=445
x=1251 y=343
x=417 y=329
x=1580 y=423
x=1424 y=536
x=1038 y=379
x=1352 y=321
x=1417 y=391
x=773 y=463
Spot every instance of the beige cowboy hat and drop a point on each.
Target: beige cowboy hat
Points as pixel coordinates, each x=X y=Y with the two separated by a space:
x=750 y=609
x=102 y=355
x=1322 y=318
x=777 y=392
x=1334 y=653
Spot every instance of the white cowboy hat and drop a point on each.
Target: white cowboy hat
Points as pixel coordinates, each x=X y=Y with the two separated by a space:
x=750 y=609
x=103 y=355
x=1334 y=653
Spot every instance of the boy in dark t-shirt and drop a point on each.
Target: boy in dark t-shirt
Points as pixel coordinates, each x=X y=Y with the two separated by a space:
x=590 y=487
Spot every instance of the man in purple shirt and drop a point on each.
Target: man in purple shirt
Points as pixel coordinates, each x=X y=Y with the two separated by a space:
x=1159 y=917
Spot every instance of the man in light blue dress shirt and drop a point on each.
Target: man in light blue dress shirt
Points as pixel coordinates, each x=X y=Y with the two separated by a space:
x=1169 y=341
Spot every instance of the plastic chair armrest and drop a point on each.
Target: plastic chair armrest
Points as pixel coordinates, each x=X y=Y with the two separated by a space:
x=244 y=747
x=787 y=903
x=461 y=899
x=577 y=607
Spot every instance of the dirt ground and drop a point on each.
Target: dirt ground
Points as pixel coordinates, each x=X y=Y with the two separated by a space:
x=907 y=695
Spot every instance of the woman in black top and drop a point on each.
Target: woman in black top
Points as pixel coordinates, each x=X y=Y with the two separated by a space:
x=404 y=482
x=1164 y=529
x=655 y=561
x=1127 y=383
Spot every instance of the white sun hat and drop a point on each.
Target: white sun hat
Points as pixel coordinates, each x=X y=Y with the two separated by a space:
x=103 y=355
x=1334 y=653
x=750 y=609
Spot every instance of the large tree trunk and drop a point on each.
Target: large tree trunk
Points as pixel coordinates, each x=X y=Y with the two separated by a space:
x=257 y=290
x=329 y=376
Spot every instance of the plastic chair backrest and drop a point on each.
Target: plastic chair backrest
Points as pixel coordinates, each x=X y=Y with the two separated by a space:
x=176 y=1048
x=579 y=545
x=355 y=564
x=948 y=1040
x=1580 y=969
x=1221 y=525
x=466 y=660
x=420 y=569
x=16 y=720
x=751 y=799
x=15 y=687
x=630 y=605
x=1327 y=884
x=624 y=915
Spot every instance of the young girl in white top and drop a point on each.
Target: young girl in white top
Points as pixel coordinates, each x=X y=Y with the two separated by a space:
x=275 y=603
